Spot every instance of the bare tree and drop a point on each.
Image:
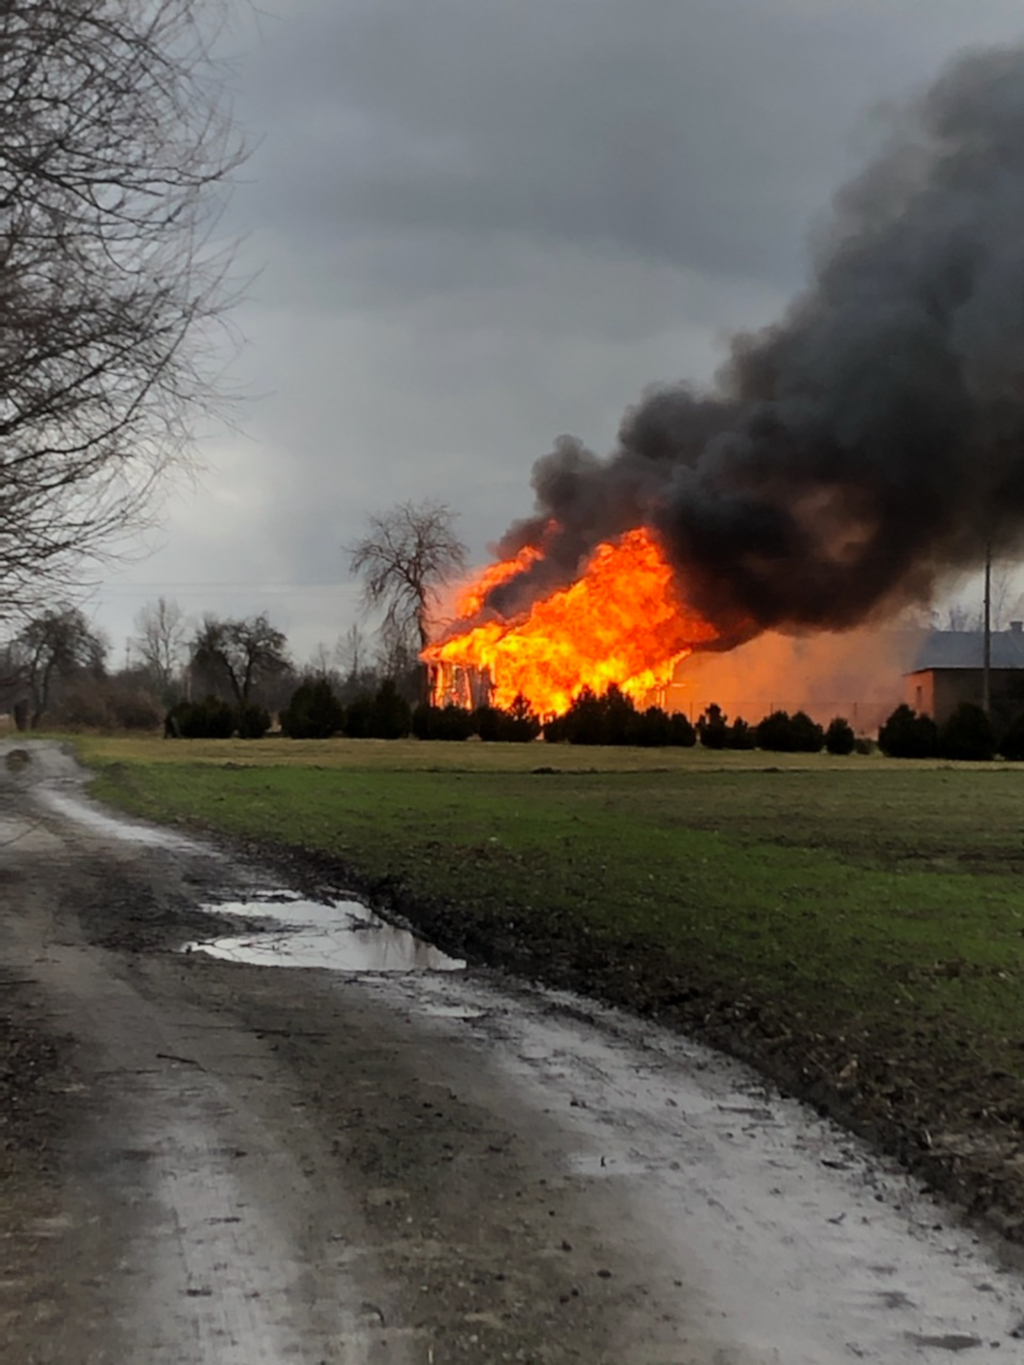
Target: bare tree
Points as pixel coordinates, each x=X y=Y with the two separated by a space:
x=959 y=618
x=407 y=554
x=161 y=640
x=358 y=674
x=321 y=663
x=352 y=651
x=57 y=644
x=245 y=653
x=397 y=655
x=116 y=143
x=1007 y=602
x=1006 y=594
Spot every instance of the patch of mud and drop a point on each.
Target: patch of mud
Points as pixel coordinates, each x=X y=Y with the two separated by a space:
x=341 y=936
x=34 y=1071
x=135 y=914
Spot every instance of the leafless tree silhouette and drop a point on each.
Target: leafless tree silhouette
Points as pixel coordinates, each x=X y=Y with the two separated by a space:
x=161 y=639
x=405 y=556
x=116 y=149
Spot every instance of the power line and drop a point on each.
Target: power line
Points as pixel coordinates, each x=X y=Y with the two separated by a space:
x=134 y=588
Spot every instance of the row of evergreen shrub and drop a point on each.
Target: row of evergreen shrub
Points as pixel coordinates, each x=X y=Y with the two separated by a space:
x=215 y=719
x=314 y=712
x=517 y=725
x=613 y=718
x=968 y=734
x=779 y=733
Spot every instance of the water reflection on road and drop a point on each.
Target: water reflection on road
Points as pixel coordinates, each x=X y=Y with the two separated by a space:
x=344 y=936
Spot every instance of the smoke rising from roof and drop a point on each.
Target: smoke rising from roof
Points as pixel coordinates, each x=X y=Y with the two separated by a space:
x=870 y=441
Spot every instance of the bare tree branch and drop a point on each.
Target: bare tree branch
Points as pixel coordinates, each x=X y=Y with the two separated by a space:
x=407 y=554
x=161 y=639
x=116 y=147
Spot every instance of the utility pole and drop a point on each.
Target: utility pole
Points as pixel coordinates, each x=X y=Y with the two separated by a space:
x=986 y=668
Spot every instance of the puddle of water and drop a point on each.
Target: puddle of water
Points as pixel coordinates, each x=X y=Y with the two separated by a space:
x=344 y=937
x=100 y=823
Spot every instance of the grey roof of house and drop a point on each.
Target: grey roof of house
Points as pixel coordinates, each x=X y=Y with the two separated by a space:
x=965 y=649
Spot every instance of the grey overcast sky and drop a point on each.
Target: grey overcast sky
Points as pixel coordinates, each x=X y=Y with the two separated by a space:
x=474 y=225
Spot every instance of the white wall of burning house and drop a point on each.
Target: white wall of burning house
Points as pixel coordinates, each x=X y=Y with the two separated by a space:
x=453 y=685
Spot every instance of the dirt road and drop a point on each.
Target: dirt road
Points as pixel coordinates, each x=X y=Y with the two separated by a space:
x=207 y=1160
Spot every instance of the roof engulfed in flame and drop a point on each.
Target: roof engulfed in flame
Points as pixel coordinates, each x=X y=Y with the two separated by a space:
x=621 y=622
x=472 y=599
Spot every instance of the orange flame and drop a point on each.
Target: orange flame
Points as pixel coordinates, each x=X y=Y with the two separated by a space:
x=472 y=599
x=621 y=622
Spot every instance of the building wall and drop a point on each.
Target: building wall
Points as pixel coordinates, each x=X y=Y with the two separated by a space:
x=920 y=693
x=937 y=692
x=955 y=686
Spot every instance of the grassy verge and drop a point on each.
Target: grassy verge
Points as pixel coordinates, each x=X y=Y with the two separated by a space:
x=854 y=926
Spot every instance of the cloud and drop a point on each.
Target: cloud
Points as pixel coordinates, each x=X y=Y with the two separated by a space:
x=672 y=133
x=479 y=225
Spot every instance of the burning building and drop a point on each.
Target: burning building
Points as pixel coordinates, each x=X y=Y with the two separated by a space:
x=848 y=458
x=621 y=621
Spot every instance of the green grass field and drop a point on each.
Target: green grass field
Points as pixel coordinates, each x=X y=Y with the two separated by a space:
x=858 y=888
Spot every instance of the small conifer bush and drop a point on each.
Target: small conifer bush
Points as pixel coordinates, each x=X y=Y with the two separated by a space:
x=907 y=735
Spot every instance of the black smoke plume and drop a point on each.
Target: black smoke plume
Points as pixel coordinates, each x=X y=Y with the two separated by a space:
x=869 y=442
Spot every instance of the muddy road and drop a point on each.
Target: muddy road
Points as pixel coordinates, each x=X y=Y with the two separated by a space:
x=229 y=1154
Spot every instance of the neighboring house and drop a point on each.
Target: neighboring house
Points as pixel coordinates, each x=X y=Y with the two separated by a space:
x=949 y=667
